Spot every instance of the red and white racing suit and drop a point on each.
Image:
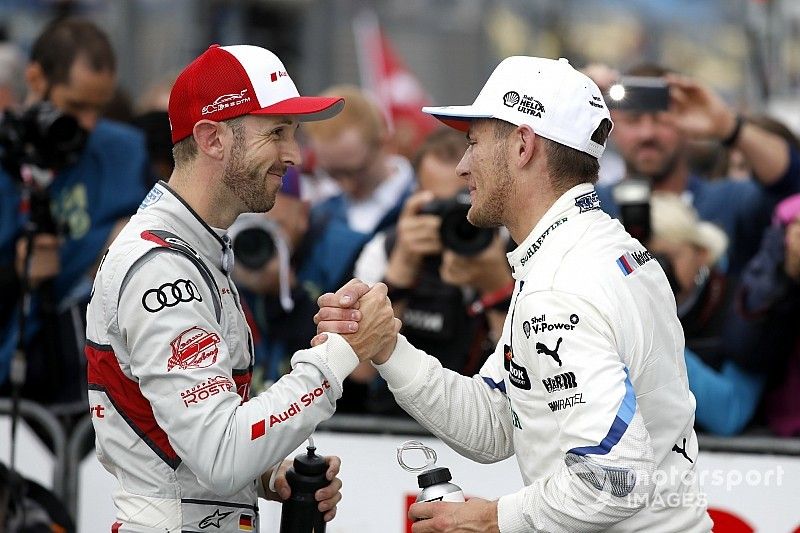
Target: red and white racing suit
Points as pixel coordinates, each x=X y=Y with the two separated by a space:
x=170 y=358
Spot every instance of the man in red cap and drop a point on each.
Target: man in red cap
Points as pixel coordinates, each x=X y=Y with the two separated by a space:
x=169 y=352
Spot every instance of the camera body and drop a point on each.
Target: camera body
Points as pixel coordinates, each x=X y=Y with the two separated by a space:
x=41 y=136
x=456 y=232
x=639 y=93
x=34 y=144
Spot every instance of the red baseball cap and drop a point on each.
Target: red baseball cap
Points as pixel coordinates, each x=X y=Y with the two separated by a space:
x=230 y=81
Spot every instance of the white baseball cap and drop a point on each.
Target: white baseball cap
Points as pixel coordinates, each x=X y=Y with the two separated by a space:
x=555 y=100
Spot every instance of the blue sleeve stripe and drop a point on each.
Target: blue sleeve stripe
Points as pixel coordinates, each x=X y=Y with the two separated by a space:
x=495 y=385
x=624 y=416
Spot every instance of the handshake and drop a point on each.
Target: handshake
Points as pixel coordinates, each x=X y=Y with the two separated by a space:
x=363 y=316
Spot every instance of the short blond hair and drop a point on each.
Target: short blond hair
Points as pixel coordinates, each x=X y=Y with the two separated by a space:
x=674 y=220
x=359 y=111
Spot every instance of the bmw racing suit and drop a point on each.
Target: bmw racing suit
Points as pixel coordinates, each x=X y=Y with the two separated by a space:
x=170 y=358
x=587 y=385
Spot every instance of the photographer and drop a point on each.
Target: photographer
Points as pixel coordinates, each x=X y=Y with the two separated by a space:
x=653 y=136
x=451 y=304
x=96 y=174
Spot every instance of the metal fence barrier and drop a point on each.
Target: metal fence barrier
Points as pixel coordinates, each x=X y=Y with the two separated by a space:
x=47 y=423
x=72 y=451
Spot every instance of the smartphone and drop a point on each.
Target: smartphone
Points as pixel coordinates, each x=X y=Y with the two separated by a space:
x=639 y=93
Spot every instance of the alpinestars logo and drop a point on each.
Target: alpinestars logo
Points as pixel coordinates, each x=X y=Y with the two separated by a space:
x=517 y=375
x=563 y=381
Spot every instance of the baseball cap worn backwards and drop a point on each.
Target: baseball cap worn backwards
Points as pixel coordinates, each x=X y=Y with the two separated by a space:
x=555 y=100
x=225 y=82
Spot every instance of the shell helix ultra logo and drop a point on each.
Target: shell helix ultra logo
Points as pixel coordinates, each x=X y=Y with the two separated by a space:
x=511 y=98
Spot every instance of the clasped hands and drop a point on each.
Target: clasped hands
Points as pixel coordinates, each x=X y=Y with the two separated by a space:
x=363 y=316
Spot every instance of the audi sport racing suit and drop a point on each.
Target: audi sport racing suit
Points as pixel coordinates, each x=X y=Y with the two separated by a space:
x=587 y=385
x=170 y=358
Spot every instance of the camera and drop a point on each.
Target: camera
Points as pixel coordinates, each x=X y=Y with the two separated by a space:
x=254 y=240
x=456 y=232
x=639 y=93
x=632 y=195
x=33 y=145
x=42 y=137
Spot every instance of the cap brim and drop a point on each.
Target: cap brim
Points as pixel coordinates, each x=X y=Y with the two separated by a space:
x=306 y=108
x=457 y=117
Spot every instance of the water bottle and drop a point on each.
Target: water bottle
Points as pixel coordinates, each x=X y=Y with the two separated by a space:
x=436 y=487
x=434 y=482
x=300 y=513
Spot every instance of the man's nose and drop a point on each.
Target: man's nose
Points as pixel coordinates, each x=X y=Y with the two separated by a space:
x=291 y=154
x=462 y=169
x=647 y=125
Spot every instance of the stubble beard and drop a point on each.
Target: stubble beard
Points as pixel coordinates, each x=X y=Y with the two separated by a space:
x=491 y=213
x=246 y=180
x=659 y=174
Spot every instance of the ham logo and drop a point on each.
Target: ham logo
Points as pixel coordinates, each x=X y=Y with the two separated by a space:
x=194 y=348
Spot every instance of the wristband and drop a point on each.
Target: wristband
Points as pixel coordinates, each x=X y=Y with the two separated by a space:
x=499 y=299
x=733 y=136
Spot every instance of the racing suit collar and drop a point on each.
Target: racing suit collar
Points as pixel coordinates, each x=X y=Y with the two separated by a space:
x=162 y=201
x=577 y=200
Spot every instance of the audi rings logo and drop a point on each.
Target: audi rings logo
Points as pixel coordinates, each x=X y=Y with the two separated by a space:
x=170 y=295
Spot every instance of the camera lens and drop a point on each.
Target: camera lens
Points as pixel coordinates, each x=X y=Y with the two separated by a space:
x=253 y=247
x=458 y=234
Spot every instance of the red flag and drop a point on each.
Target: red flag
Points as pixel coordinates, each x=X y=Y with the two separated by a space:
x=397 y=89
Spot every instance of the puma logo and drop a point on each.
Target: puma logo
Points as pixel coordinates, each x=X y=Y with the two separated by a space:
x=541 y=348
x=682 y=451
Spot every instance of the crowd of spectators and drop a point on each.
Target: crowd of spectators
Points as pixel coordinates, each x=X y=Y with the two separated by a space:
x=728 y=237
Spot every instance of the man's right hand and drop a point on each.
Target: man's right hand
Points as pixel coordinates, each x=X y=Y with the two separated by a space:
x=417 y=236
x=366 y=323
x=45 y=262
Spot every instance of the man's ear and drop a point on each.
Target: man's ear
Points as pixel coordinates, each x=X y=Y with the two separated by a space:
x=209 y=138
x=524 y=145
x=36 y=80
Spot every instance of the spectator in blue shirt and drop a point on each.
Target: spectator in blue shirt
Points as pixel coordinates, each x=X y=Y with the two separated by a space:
x=72 y=66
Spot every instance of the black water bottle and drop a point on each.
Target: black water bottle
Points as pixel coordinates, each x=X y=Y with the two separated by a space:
x=307 y=475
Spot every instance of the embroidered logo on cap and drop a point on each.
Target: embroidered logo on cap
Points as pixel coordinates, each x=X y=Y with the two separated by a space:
x=225 y=101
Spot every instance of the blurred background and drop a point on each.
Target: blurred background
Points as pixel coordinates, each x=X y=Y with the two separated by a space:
x=747 y=49
x=409 y=53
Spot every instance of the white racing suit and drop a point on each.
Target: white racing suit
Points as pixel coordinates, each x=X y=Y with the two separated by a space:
x=587 y=385
x=170 y=358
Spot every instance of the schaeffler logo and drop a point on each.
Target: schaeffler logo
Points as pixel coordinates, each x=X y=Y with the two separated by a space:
x=511 y=98
x=225 y=101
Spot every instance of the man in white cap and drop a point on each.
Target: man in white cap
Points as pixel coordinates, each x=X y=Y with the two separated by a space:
x=587 y=385
x=169 y=352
